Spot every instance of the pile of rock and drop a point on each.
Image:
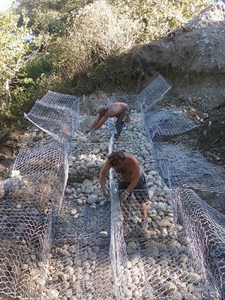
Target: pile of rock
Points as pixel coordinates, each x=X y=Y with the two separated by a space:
x=157 y=264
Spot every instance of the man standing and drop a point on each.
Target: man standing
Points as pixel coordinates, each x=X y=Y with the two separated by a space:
x=131 y=179
x=119 y=110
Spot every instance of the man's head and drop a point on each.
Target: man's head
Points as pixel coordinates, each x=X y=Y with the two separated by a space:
x=101 y=108
x=116 y=158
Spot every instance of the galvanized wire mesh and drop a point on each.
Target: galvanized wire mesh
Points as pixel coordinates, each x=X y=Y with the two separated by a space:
x=188 y=174
x=206 y=233
x=83 y=246
x=162 y=124
x=185 y=168
x=153 y=93
x=57 y=114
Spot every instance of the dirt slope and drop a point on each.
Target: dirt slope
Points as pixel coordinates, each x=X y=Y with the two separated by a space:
x=192 y=59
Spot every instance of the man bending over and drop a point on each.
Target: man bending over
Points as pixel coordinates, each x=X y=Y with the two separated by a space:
x=131 y=179
x=119 y=110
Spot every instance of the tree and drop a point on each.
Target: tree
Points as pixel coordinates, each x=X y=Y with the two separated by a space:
x=12 y=56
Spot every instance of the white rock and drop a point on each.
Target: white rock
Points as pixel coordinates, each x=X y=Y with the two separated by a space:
x=91 y=164
x=103 y=233
x=86 y=183
x=92 y=199
x=54 y=294
x=82 y=139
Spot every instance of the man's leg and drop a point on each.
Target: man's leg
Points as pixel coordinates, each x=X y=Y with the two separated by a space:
x=119 y=125
x=126 y=211
x=142 y=198
x=122 y=186
x=143 y=210
x=142 y=195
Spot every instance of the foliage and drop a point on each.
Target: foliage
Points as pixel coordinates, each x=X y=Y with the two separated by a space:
x=12 y=59
x=12 y=49
x=156 y=17
x=98 y=32
x=41 y=63
x=79 y=45
x=51 y=17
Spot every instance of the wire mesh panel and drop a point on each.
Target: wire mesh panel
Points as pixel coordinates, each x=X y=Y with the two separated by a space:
x=25 y=243
x=153 y=93
x=187 y=168
x=80 y=253
x=206 y=231
x=189 y=175
x=57 y=114
x=28 y=200
x=162 y=124
x=61 y=101
x=43 y=171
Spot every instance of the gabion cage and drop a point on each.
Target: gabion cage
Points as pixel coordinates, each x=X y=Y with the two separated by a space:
x=63 y=240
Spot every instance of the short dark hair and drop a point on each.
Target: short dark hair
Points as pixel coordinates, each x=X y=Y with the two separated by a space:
x=115 y=158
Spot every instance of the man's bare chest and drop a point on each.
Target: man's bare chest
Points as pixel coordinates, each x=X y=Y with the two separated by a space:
x=123 y=171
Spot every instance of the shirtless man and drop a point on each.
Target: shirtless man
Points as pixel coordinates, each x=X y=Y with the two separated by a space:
x=131 y=179
x=119 y=110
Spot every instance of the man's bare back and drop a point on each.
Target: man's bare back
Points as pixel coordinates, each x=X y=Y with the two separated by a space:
x=116 y=109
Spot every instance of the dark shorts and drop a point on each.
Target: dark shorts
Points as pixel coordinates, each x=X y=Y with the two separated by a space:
x=119 y=122
x=140 y=191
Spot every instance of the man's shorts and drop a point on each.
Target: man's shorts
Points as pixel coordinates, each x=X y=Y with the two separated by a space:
x=120 y=120
x=140 y=191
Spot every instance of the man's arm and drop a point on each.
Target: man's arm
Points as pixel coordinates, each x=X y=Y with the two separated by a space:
x=101 y=121
x=95 y=123
x=102 y=175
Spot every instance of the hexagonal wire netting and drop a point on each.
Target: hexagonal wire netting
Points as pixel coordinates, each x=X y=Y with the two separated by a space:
x=90 y=256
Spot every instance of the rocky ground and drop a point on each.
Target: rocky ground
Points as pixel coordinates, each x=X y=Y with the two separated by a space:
x=192 y=59
x=79 y=266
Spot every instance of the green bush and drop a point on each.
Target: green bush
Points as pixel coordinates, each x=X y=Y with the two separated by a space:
x=40 y=64
x=81 y=46
x=98 y=32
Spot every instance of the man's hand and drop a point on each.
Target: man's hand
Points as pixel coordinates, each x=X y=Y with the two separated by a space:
x=124 y=196
x=106 y=192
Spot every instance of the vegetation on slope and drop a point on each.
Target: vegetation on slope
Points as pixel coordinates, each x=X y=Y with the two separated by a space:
x=78 y=46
